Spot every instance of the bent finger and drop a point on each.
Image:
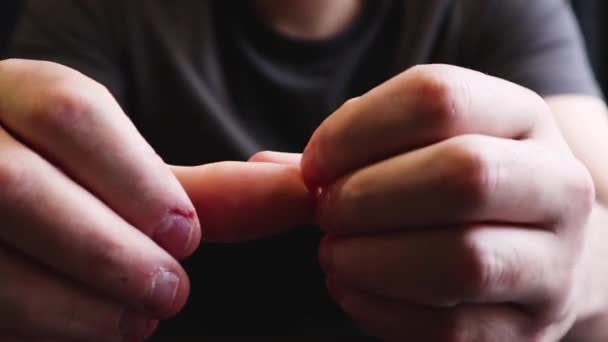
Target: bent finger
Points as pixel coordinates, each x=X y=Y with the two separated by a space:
x=453 y=265
x=37 y=304
x=393 y=320
x=421 y=106
x=469 y=178
x=75 y=122
x=49 y=218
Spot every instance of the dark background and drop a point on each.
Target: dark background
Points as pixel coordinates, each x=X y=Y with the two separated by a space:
x=592 y=14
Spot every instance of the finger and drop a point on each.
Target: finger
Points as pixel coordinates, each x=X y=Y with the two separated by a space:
x=447 y=267
x=240 y=201
x=76 y=123
x=468 y=178
x=36 y=304
x=277 y=158
x=51 y=219
x=392 y=320
x=421 y=106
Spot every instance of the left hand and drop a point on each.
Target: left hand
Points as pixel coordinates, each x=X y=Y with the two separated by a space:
x=454 y=210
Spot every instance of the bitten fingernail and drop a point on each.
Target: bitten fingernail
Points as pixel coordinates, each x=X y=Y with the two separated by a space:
x=162 y=292
x=175 y=231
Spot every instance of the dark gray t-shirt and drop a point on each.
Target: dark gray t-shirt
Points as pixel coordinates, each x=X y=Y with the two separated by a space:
x=206 y=81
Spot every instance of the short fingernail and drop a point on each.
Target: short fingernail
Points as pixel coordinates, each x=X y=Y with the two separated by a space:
x=175 y=231
x=134 y=327
x=162 y=292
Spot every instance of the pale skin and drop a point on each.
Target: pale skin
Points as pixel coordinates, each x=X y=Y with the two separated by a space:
x=488 y=216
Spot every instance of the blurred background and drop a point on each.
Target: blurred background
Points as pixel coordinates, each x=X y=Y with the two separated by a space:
x=592 y=16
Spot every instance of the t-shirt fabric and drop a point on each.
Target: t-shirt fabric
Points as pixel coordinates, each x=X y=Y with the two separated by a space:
x=206 y=81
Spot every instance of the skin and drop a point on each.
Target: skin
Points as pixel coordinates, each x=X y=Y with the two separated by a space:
x=309 y=19
x=82 y=198
x=512 y=198
x=478 y=215
x=488 y=220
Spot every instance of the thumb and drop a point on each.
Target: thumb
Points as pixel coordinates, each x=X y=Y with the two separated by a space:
x=238 y=201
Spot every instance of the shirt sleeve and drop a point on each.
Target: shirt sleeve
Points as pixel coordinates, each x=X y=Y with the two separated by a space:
x=534 y=43
x=81 y=34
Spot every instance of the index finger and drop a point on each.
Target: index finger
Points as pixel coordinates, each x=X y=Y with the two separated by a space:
x=240 y=201
x=419 y=107
x=75 y=123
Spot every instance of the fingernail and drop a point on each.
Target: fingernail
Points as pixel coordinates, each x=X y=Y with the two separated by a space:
x=134 y=327
x=325 y=255
x=162 y=292
x=175 y=231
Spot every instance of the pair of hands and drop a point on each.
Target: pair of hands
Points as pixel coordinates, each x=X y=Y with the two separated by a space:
x=453 y=207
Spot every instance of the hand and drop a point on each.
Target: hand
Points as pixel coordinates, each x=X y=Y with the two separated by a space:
x=93 y=221
x=454 y=210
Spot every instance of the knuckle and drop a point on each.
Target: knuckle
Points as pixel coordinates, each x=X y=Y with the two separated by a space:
x=482 y=269
x=67 y=102
x=541 y=107
x=471 y=174
x=577 y=186
x=61 y=107
x=581 y=190
x=442 y=95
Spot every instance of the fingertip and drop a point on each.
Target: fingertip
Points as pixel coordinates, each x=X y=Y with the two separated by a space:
x=178 y=233
x=195 y=240
x=181 y=297
x=167 y=292
x=313 y=173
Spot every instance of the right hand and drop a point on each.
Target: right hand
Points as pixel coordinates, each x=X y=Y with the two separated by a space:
x=92 y=220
